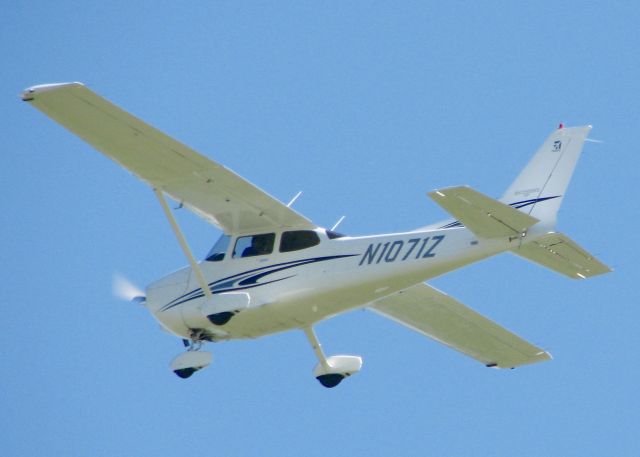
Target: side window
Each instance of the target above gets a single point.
(299, 239)
(250, 246)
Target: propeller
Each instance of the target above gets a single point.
(126, 290)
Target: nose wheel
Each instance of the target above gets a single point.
(187, 363)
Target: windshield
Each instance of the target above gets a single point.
(217, 252)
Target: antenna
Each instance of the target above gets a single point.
(293, 200)
(335, 226)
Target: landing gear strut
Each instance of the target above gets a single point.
(332, 370)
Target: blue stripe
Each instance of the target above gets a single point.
(532, 201)
(248, 280)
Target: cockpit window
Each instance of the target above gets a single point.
(249, 246)
(298, 239)
(217, 252)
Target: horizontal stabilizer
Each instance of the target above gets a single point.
(484, 216)
(441, 317)
(559, 253)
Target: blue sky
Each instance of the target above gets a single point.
(365, 106)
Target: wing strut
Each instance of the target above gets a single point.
(183, 244)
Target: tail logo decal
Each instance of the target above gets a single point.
(516, 205)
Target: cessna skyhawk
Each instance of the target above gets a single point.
(274, 270)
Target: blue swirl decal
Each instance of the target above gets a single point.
(249, 279)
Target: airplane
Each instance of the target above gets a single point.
(274, 270)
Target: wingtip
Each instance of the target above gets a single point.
(29, 93)
(442, 192)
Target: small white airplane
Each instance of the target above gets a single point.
(274, 270)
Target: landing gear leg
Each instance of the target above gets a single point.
(331, 371)
(326, 380)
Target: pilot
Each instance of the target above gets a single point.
(259, 246)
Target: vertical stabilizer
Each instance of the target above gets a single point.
(540, 187)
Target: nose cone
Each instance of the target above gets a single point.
(125, 290)
(140, 300)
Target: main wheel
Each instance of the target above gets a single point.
(330, 380)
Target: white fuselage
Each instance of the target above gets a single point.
(290, 290)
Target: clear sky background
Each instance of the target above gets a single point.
(365, 106)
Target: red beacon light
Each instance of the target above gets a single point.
(561, 126)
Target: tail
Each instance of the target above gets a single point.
(537, 192)
(540, 187)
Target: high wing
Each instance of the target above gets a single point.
(210, 190)
(443, 318)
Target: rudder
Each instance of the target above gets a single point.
(540, 187)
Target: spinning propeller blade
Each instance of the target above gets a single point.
(126, 290)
